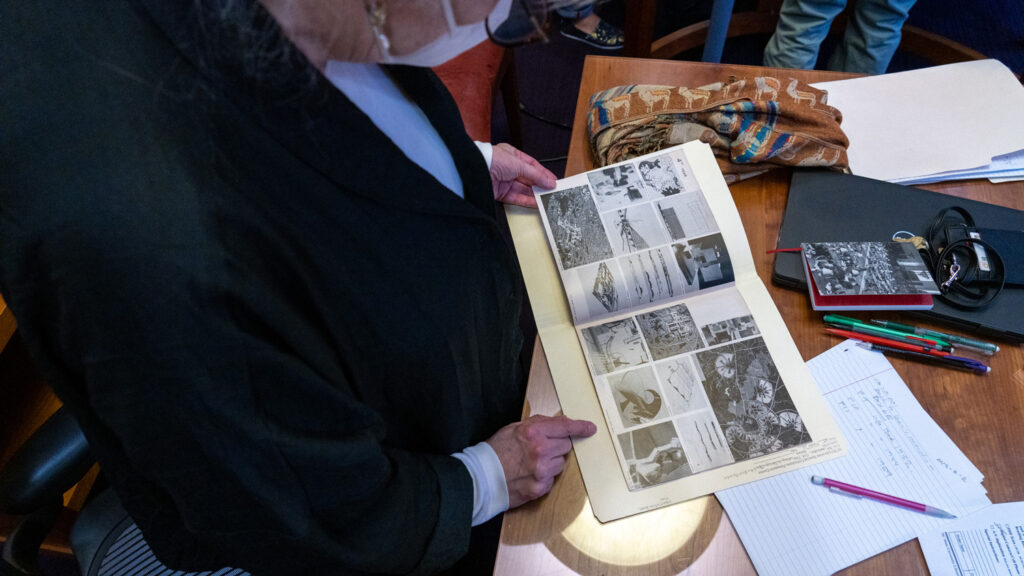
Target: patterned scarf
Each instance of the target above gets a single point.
(751, 124)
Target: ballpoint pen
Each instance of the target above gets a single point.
(853, 322)
(947, 360)
(850, 489)
(978, 345)
(869, 331)
(885, 341)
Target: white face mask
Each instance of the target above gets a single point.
(457, 40)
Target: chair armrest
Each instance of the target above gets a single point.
(50, 462)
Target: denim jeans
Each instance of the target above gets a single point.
(871, 38)
(576, 12)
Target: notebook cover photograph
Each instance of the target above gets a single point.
(867, 276)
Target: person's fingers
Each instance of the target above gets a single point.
(525, 490)
(519, 194)
(521, 186)
(513, 164)
(541, 176)
(539, 488)
(551, 467)
(555, 447)
(526, 201)
(532, 172)
(563, 427)
(532, 453)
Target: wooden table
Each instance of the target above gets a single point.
(7, 324)
(982, 414)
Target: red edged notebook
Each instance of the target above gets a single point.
(867, 276)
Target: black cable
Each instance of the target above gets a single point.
(966, 288)
(534, 115)
(555, 159)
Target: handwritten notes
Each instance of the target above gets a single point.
(790, 526)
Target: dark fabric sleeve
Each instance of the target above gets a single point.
(138, 202)
(229, 428)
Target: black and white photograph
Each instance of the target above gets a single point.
(862, 268)
(670, 331)
(652, 275)
(634, 228)
(614, 346)
(603, 287)
(653, 455)
(683, 390)
(686, 176)
(659, 175)
(616, 186)
(750, 400)
(686, 215)
(576, 227)
(637, 397)
(704, 262)
(703, 441)
(729, 330)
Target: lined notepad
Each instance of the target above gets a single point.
(790, 526)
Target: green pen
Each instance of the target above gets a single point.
(874, 332)
(853, 322)
(978, 345)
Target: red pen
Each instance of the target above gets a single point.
(885, 342)
(850, 489)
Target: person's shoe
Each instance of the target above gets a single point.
(605, 36)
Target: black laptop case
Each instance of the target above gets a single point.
(830, 206)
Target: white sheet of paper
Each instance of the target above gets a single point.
(1010, 162)
(994, 175)
(987, 543)
(1001, 179)
(922, 122)
(1003, 168)
(791, 526)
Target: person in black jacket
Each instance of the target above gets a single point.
(290, 337)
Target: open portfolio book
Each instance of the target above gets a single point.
(657, 327)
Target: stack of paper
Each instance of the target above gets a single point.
(951, 122)
(989, 543)
(791, 526)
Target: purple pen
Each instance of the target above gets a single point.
(974, 364)
(895, 501)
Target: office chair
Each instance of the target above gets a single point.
(104, 539)
(472, 78)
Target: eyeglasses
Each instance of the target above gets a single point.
(527, 22)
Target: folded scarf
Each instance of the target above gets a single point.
(751, 124)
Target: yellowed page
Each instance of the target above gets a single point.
(603, 458)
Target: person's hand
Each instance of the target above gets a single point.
(514, 173)
(532, 453)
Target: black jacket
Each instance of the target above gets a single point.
(272, 326)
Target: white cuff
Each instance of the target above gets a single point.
(490, 493)
(486, 150)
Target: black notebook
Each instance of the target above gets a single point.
(828, 206)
